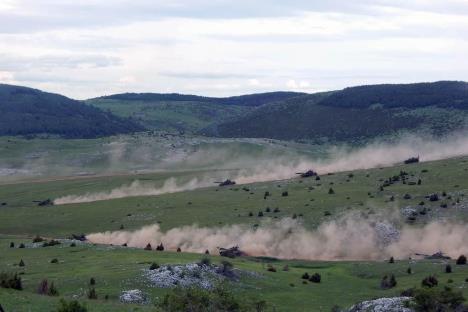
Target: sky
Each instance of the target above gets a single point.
(91, 48)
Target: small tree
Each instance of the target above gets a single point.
(21, 263)
(12, 245)
(52, 290)
(392, 260)
(43, 287)
(315, 278)
(92, 281)
(461, 260)
(305, 276)
(72, 306)
(148, 247)
(430, 281)
(92, 294)
(331, 191)
(448, 268)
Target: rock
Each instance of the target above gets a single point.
(387, 233)
(395, 304)
(133, 296)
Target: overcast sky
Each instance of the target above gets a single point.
(90, 48)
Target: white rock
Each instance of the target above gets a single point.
(395, 304)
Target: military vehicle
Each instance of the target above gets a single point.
(307, 174)
(437, 255)
(226, 183)
(412, 160)
(231, 252)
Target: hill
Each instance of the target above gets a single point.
(186, 113)
(28, 111)
(357, 113)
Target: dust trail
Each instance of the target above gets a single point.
(349, 238)
(264, 167)
(136, 188)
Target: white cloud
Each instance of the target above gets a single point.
(161, 45)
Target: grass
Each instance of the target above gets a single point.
(117, 268)
(216, 206)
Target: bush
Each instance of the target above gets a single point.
(53, 290)
(448, 268)
(92, 281)
(285, 194)
(388, 282)
(201, 300)
(331, 191)
(315, 278)
(11, 281)
(461, 260)
(51, 243)
(22, 246)
(160, 247)
(392, 260)
(55, 260)
(148, 247)
(430, 281)
(154, 266)
(271, 268)
(21, 263)
(305, 276)
(92, 294)
(12, 245)
(72, 306)
(205, 261)
(433, 300)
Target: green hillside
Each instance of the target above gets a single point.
(356, 114)
(26, 111)
(185, 113)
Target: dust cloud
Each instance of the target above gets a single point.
(261, 167)
(348, 238)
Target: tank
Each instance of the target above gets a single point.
(231, 252)
(226, 183)
(307, 174)
(412, 160)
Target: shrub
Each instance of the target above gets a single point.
(21, 263)
(392, 260)
(409, 271)
(205, 261)
(305, 276)
(250, 214)
(53, 290)
(22, 246)
(92, 294)
(331, 191)
(12, 281)
(199, 300)
(448, 268)
(72, 306)
(461, 260)
(55, 260)
(285, 194)
(260, 214)
(271, 268)
(51, 243)
(73, 244)
(154, 266)
(433, 197)
(148, 247)
(160, 247)
(92, 281)
(388, 282)
(315, 278)
(12, 245)
(43, 287)
(430, 281)
(286, 268)
(433, 300)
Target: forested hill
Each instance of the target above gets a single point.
(357, 113)
(25, 111)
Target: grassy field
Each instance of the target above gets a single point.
(307, 198)
(116, 269)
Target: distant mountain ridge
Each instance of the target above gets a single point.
(256, 99)
(26, 111)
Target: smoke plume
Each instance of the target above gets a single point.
(349, 238)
